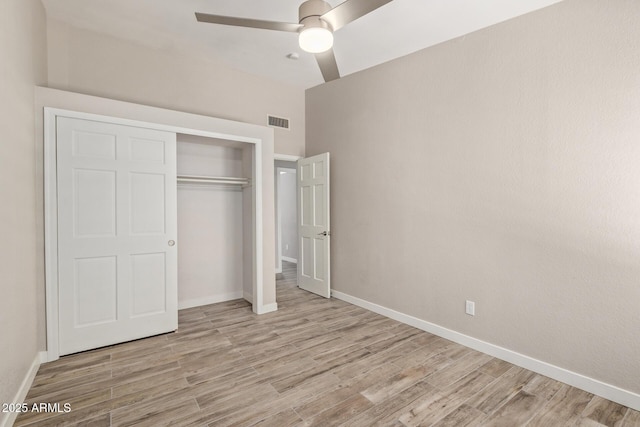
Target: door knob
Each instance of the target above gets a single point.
(171, 242)
(324, 233)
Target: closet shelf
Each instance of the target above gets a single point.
(213, 180)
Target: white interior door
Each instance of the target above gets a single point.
(314, 225)
(117, 224)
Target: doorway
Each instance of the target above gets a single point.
(286, 224)
(311, 238)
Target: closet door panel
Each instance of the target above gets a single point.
(148, 151)
(94, 202)
(116, 224)
(148, 284)
(98, 145)
(148, 199)
(95, 291)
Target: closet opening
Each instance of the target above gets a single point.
(214, 220)
(119, 180)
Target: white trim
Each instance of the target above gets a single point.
(211, 299)
(286, 258)
(21, 394)
(258, 301)
(268, 308)
(54, 112)
(608, 391)
(50, 207)
(51, 235)
(286, 157)
(276, 205)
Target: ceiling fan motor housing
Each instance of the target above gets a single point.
(310, 12)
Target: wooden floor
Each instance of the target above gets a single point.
(314, 362)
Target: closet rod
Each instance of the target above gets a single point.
(213, 180)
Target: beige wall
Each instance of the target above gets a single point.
(504, 168)
(95, 64)
(23, 64)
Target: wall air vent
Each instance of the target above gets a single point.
(278, 122)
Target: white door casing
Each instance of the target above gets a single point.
(314, 225)
(117, 226)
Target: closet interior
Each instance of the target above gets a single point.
(214, 220)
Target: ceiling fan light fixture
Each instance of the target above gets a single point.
(315, 39)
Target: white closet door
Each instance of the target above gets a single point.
(117, 256)
(314, 225)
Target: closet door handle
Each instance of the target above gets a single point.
(324, 233)
(171, 242)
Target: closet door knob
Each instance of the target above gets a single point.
(172, 242)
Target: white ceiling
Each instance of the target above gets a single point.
(394, 30)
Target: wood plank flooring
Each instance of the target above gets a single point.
(315, 362)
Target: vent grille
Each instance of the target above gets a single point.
(278, 122)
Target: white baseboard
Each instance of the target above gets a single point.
(21, 394)
(608, 391)
(293, 260)
(247, 297)
(211, 299)
(268, 308)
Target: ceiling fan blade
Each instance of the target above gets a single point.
(350, 10)
(328, 65)
(246, 22)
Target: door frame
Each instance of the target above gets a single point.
(286, 158)
(51, 207)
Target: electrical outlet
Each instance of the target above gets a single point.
(286, 247)
(470, 308)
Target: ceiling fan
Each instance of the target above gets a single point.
(316, 24)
